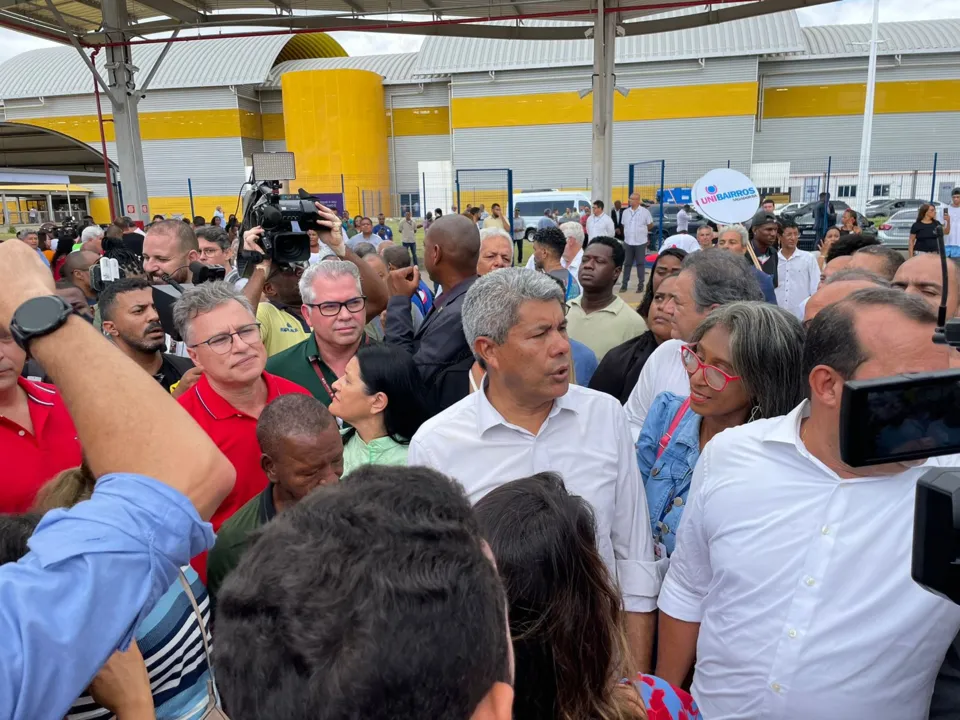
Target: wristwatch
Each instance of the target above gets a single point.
(37, 317)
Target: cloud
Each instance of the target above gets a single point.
(13, 43)
(366, 43)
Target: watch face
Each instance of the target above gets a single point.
(38, 314)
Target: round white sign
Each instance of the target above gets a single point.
(726, 196)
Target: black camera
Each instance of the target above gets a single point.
(284, 222)
(67, 232)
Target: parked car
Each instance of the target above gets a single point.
(788, 208)
(891, 207)
(895, 231)
(670, 211)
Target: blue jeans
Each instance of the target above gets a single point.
(412, 247)
(952, 251)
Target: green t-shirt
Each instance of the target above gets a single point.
(234, 537)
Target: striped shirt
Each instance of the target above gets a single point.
(169, 640)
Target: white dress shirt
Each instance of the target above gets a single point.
(799, 277)
(635, 224)
(662, 372)
(800, 581)
(585, 438)
(683, 221)
(573, 267)
(600, 226)
(683, 241)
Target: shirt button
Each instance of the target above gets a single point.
(792, 633)
(21, 433)
(655, 472)
(678, 501)
(810, 581)
(775, 687)
(825, 530)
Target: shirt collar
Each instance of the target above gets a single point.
(218, 407)
(613, 308)
(40, 403)
(489, 417)
(787, 428)
(268, 510)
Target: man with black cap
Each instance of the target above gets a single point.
(766, 231)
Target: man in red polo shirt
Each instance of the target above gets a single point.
(222, 336)
(37, 437)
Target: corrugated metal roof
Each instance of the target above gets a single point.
(765, 34)
(900, 38)
(211, 63)
(395, 69)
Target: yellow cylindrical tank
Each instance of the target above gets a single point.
(336, 124)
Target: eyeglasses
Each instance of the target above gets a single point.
(332, 308)
(285, 270)
(715, 378)
(221, 344)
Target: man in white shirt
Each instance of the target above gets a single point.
(599, 224)
(527, 418)
(790, 581)
(683, 219)
(707, 279)
(637, 223)
(687, 243)
(573, 253)
(798, 270)
(952, 213)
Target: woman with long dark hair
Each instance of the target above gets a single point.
(923, 233)
(381, 397)
(619, 370)
(565, 610)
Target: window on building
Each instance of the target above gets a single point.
(847, 191)
(881, 191)
(770, 190)
(411, 202)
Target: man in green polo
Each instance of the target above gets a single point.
(300, 450)
(334, 305)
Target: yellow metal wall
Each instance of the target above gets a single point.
(336, 124)
(848, 99)
(563, 108)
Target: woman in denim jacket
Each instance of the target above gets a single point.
(744, 362)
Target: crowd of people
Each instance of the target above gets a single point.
(487, 489)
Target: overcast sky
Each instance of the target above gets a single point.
(843, 12)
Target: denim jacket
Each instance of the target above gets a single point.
(667, 479)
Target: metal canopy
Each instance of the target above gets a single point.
(45, 151)
(83, 19)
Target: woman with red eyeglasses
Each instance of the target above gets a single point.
(744, 363)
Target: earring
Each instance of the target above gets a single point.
(754, 413)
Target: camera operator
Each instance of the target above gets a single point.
(131, 322)
(791, 580)
(281, 317)
(215, 249)
(168, 249)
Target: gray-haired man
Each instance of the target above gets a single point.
(526, 418)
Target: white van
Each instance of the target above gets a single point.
(532, 204)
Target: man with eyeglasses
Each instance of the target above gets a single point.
(215, 250)
(222, 336)
(336, 308)
(274, 288)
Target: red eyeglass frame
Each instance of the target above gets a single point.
(701, 366)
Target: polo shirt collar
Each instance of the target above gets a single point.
(613, 308)
(268, 510)
(40, 402)
(218, 407)
(489, 417)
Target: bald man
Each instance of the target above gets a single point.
(922, 276)
(451, 250)
(76, 271)
(838, 286)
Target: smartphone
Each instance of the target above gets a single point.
(905, 417)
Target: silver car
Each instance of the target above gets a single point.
(895, 231)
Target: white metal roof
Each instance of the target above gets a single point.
(899, 38)
(211, 63)
(764, 34)
(395, 69)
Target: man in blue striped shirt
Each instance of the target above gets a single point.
(94, 572)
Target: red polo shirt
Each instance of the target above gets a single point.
(30, 460)
(235, 433)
